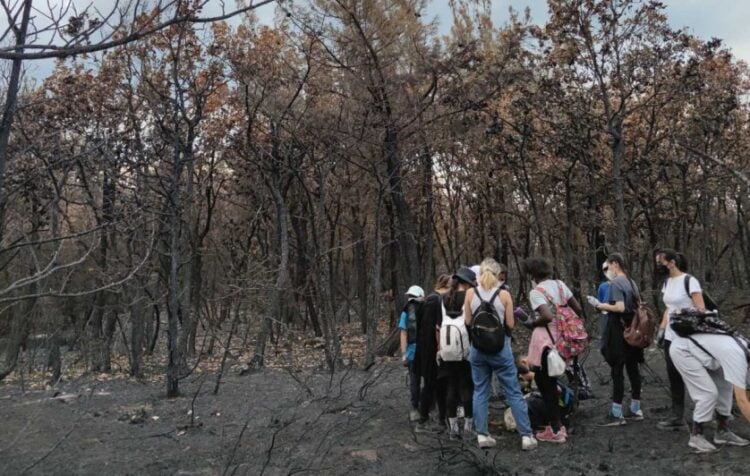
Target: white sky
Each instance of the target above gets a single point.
(725, 19)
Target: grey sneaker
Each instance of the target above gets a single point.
(453, 430)
(611, 420)
(414, 415)
(700, 444)
(726, 437)
(673, 423)
(469, 428)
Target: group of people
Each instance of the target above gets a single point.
(451, 368)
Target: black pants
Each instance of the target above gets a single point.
(548, 388)
(431, 393)
(459, 388)
(413, 385)
(676, 384)
(629, 364)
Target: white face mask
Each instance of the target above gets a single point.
(610, 275)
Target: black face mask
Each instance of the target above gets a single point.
(662, 271)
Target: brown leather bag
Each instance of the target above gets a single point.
(640, 332)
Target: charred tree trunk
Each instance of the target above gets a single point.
(282, 235)
(11, 104)
(374, 295)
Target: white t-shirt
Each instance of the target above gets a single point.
(726, 354)
(675, 298)
(537, 299)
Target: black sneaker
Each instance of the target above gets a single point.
(428, 427)
(673, 423)
(635, 416)
(611, 420)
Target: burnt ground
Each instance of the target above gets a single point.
(309, 422)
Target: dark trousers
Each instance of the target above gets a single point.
(414, 385)
(548, 388)
(459, 388)
(629, 364)
(676, 384)
(432, 392)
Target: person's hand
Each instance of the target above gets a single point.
(593, 302)
(660, 338)
(404, 360)
(438, 359)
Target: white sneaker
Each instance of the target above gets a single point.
(528, 443)
(726, 437)
(460, 411)
(414, 415)
(486, 441)
(701, 445)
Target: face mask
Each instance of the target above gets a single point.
(610, 275)
(662, 271)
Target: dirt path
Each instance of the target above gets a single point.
(279, 422)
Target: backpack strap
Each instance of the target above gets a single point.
(492, 298)
(702, 348)
(636, 294)
(550, 334)
(561, 293)
(686, 281)
(545, 294)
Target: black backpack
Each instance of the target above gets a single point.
(707, 300)
(691, 321)
(487, 332)
(411, 322)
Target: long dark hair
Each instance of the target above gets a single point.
(449, 299)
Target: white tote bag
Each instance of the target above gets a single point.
(555, 364)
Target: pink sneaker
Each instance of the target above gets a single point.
(550, 437)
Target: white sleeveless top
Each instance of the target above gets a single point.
(486, 295)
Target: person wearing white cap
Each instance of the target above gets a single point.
(408, 326)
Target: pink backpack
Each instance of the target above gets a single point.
(573, 336)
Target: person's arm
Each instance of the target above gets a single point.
(507, 301)
(467, 306)
(664, 319)
(402, 325)
(545, 316)
(618, 306)
(740, 394)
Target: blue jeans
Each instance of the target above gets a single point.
(504, 367)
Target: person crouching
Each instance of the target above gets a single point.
(713, 367)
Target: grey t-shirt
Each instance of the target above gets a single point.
(623, 289)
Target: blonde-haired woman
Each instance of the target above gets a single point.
(501, 363)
